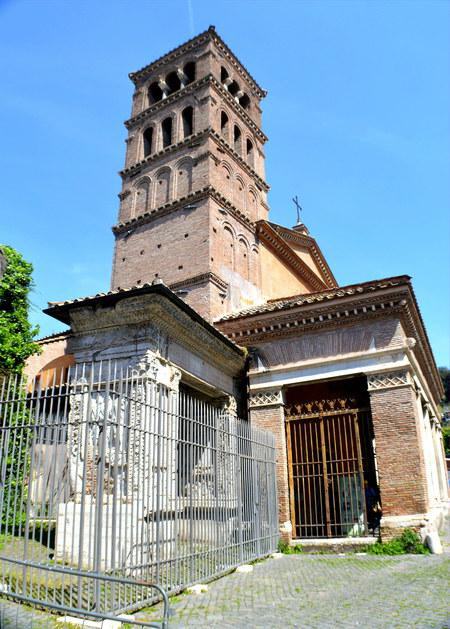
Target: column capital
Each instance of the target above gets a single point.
(268, 397)
(389, 380)
(229, 405)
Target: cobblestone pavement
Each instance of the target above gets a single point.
(307, 591)
(325, 591)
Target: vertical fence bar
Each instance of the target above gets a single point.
(132, 481)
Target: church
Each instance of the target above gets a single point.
(248, 314)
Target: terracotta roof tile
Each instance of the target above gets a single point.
(294, 301)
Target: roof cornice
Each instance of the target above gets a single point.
(305, 300)
(62, 311)
(274, 241)
(198, 195)
(193, 141)
(190, 141)
(308, 241)
(224, 146)
(342, 306)
(192, 44)
(200, 279)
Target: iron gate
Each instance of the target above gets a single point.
(113, 484)
(331, 461)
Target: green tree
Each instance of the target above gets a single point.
(446, 437)
(444, 372)
(16, 345)
(16, 332)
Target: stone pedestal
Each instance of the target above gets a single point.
(122, 442)
(127, 539)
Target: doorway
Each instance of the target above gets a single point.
(331, 463)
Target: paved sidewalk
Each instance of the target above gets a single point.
(325, 591)
(306, 591)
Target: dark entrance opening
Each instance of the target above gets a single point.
(331, 459)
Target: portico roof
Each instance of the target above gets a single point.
(62, 310)
(282, 318)
(295, 301)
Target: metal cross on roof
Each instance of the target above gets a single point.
(299, 208)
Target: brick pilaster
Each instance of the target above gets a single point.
(267, 411)
(399, 451)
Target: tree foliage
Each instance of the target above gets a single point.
(16, 345)
(16, 333)
(444, 372)
(446, 438)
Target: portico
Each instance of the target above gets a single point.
(349, 391)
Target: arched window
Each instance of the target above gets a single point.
(184, 178)
(173, 82)
(224, 124)
(244, 101)
(237, 139)
(250, 153)
(148, 141)
(254, 266)
(253, 204)
(187, 116)
(189, 70)
(243, 259)
(162, 192)
(142, 197)
(154, 93)
(225, 176)
(166, 127)
(223, 74)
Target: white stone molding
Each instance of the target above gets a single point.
(148, 366)
(389, 380)
(229, 405)
(174, 379)
(266, 398)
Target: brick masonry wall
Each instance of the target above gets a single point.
(201, 120)
(172, 248)
(400, 457)
(272, 418)
(185, 244)
(52, 355)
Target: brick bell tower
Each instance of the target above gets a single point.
(193, 183)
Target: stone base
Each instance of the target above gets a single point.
(333, 544)
(208, 531)
(128, 538)
(423, 523)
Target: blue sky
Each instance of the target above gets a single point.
(358, 118)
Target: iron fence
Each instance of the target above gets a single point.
(112, 484)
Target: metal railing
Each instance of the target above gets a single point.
(112, 483)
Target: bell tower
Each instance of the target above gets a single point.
(193, 185)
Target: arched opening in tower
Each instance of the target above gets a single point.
(166, 127)
(189, 70)
(173, 82)
(148, 141)
(237, 139)
(154, 93)
(187, 116)
(224, 124)
(250, 152)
